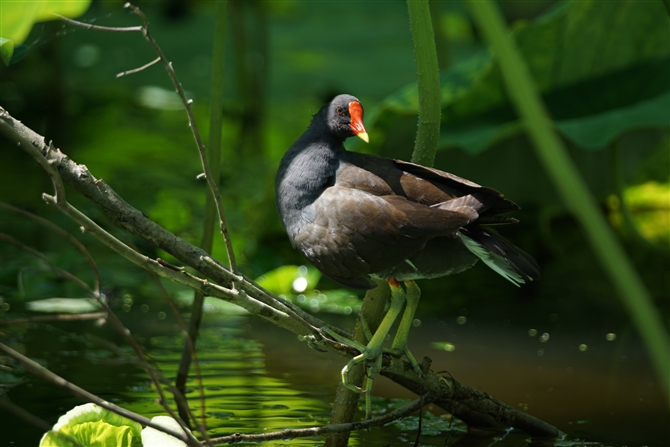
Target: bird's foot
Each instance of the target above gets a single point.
(398, 352)
(371, 354)
(372, 368)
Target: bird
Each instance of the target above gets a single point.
(358, 216)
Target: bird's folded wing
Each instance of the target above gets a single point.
(354, 233)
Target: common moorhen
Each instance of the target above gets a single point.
(356, 215)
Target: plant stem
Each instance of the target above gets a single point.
(525, 97)
(428, 76)
(214, 161)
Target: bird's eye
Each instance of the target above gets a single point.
(339, 111)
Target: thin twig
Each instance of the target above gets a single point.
(109, 29)
(190, 345)
(292, 433)
(59, 317)
(256, 291)
(156, 375)
(145, 30)
(196, 134)
(214, 160)
(64, 235)
(62, 204)
(471, 405)
(60, 272)
(137, 70)
(40, 371)
(208, 288)
(27, 146)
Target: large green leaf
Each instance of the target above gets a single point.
(93, 426)
(603, 68)
(18, 18)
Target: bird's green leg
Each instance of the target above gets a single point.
(372, 372)
(345, 340)
(399, 346)
(374, 348)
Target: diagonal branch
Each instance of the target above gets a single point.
(40, 371)
(398, 413)
(473, 407)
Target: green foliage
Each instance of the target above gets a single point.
(298, 283)
(18, 17)
(649, 204)
(287, 278)
(93, 426)
(601, 66)
(6, 50)
(567, 180)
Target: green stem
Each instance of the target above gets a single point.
(570, 185)
(214, 162)
(215, 121)
(428, 75)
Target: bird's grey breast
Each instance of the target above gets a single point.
(302, 177)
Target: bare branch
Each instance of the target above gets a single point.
(27, 146)
(472, 406)
(292, 433)
(145, 30)
(40, 371)
(59, 317)
(63, 234)
(137, 70)
(196, 134)
(109, 29)
(62, 273)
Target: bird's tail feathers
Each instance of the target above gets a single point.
(501, 255)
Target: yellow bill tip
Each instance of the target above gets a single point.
(363, 136)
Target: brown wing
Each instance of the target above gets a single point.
(352, 232)
(420, 184)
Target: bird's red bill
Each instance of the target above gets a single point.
(356, 113)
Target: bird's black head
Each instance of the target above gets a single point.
(344, 117)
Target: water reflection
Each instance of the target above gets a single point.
(240, 396)
(257, 378)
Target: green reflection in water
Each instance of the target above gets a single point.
(240, 397)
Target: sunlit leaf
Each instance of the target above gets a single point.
(6, 50)
(93, 426)
(18, 18)
(154, 438)
(649, 205)
(64, 305)
(287, 279)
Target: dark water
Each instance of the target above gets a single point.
(257, 378)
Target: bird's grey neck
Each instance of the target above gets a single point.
(306, 170)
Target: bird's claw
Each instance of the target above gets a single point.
(398, 352)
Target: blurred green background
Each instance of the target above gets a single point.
(603, 69)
